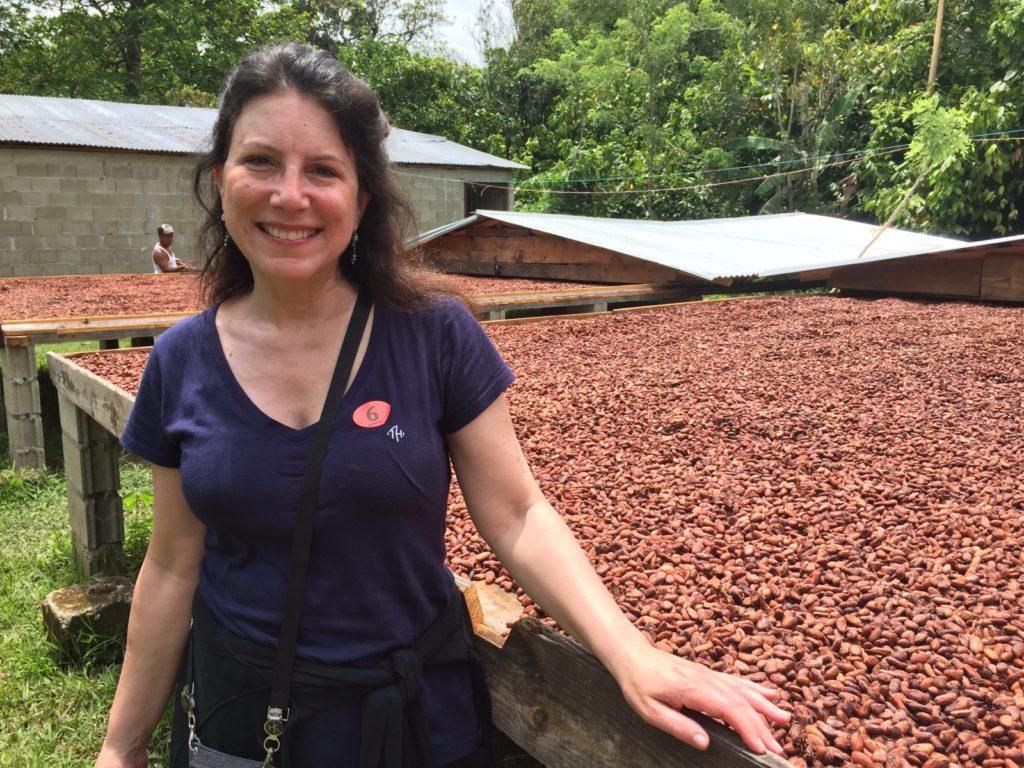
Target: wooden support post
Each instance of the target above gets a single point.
(109, 343)
(21, 401)
(142, 341)
(495, 315)
(94, 504)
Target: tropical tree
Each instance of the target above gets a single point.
(980, 193)
(139, 50)
(337, 24)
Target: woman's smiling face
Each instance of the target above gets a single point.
(289, 189)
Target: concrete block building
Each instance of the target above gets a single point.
(84, 184)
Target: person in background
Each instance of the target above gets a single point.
(164, 259)
(304, 217)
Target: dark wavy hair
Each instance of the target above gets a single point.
(394, 275)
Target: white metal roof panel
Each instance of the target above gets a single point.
(183, 130)
(751, 246)
(412, 148)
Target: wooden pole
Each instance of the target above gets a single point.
(936, 40)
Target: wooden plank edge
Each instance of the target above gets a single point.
(98, 398)
(558, 703)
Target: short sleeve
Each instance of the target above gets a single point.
(146, 434)
(475, 373)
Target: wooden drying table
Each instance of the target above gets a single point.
(18, 339)
(550, 695)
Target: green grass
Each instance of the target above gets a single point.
(63, 349)
(54, 714)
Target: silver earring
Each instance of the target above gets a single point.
(355, 240)
(227, 239)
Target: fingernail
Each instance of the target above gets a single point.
(700, 741)
(777, 747)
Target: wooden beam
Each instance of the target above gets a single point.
(558, 703)
(641, 272)
(571, 297)
(492, 610)
(1002, 276)
(56, 330)
(108, 405)
(953, 276)
(547, 257)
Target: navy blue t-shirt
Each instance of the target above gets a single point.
(377, 574)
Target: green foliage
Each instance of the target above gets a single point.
(635, 108)
(940, 140)
(139, 50)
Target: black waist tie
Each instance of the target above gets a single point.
(394, 729)
(393, 717)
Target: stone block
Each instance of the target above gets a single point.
(73, 185)
(89, 619)
(49, 184)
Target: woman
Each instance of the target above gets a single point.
(225, 414)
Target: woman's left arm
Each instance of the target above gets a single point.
(538, 549)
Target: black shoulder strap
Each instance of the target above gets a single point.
(281, 683)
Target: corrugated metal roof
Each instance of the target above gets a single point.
(182, 130)
(412, 148)
(751, 246)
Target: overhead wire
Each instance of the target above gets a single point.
(850, 157)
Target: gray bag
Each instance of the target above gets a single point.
(204, 757)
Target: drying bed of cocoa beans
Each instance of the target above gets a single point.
(29, 298)
(819, 493)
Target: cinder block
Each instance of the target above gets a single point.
(89, 619)
(128, 186)
(160, 187)
(34, 199)
(26, 169)
(88, 167)
(96, 520)
(105, 214)
(115, 170)
(79, 211)
(51, 212)
(49, 227)
(21, 396)
(63, 199)
(19, 213)
(99, 186)
(49, 184)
